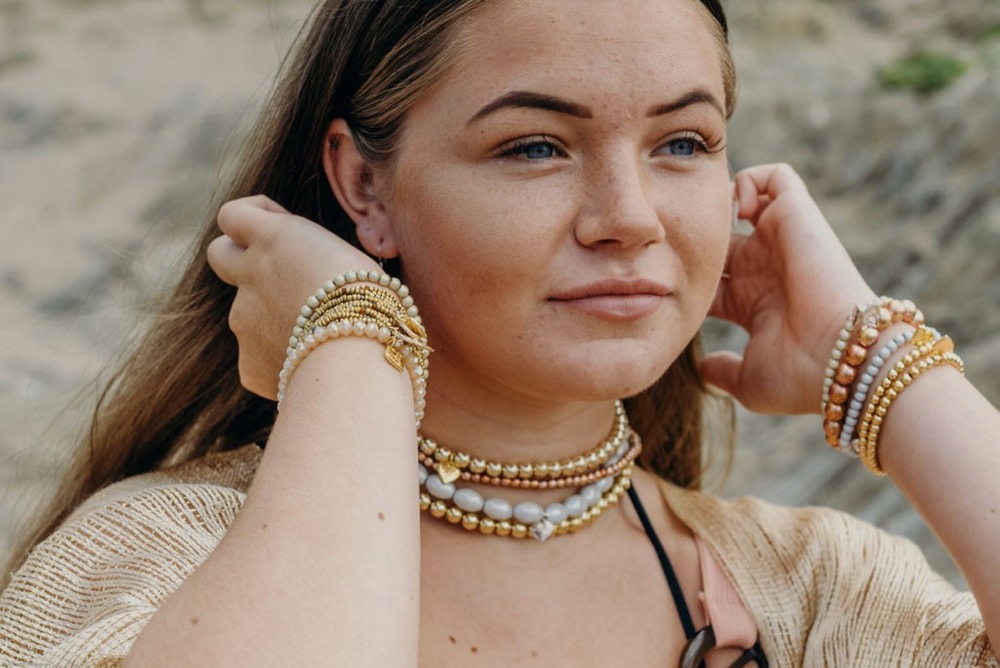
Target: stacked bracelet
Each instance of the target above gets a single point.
(836, 355)
(930, 350)
(367, 304)
(863, 329)
(854, 407)
(847, 444)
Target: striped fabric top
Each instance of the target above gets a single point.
(824, 589)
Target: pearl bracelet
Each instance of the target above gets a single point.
(367, 304)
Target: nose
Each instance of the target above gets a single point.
(620, 210)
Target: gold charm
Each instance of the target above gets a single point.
(393, 356)
(414, 328)
(923, 336)
(448, 472)
(944, 345)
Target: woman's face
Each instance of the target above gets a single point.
(561, 199)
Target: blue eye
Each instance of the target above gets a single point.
(538, 151)
(532, 149)
(683, 147)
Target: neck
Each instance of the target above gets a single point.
(516, 431)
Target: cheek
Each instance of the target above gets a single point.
(454, 225)
(700, 235)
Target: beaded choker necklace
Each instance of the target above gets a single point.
(602, 475)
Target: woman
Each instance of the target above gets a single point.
(550, 180)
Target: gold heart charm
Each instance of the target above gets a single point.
(448, 472)
(394, 357)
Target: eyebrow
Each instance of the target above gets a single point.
(527, 100)
(520, 99)
(696, 96)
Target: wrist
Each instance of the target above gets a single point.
(365, 305)
(857, 344)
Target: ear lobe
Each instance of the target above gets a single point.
(352, 180)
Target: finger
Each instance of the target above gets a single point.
(224, 256)
(772, 180)
(722, 369)
(752, 207)
(758, 187)
(241, 219)
(763, 201)
(750, 204)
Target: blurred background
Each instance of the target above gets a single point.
(117, 116)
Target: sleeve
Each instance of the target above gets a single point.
(827, 589)
(870, 598)
(880, 603)
(85, 593)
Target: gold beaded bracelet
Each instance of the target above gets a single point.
(865, 325)
(930, 353)
(924, 342)
(922, 349)
(367, 304)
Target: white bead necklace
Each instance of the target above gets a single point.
(542, 522)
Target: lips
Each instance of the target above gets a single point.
(619, 299)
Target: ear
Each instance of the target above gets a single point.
(352, 180)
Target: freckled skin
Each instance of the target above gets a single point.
(486, 240)
(492, 218)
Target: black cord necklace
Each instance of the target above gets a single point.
(699, 643)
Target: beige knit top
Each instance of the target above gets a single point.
(825, 589)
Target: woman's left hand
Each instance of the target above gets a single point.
(791, 286)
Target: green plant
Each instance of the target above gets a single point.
(990, 32)
(924, 72)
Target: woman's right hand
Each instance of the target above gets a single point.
(317, 554)
(276, 260)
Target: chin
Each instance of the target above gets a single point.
(605, 375)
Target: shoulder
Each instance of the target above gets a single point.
(825, 587)
(730, 526)
(228, 472)
(84, 593)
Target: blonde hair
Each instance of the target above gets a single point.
(177, 395)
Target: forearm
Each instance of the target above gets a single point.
(941, 445)
(322, 563)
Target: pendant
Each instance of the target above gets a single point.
(542, 529)
(394, 357)
(448, 472)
